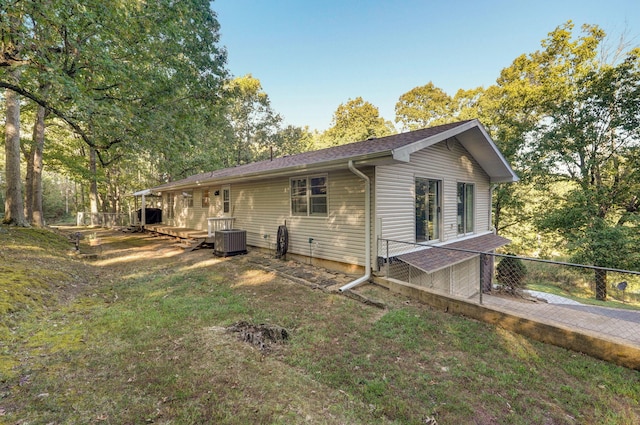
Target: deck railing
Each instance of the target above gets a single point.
(219, 223)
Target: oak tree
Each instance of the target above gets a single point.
(355, 121)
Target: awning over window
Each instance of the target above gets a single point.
(434, 258)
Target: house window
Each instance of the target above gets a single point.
(428, 209)
(187, 199)
(465, 208)
(206, 199)
(226, 199)
(170, 205)
(309, 196)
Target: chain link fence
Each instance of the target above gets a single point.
(581, 298)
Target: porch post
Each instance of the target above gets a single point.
(143, 212)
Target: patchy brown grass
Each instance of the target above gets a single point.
(140, 335)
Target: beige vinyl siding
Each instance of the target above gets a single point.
(462, 279)
(167, 217)
(259, 207)
(395, 191)
(191, 217)
(197, 214)
(188, 216)
(465, 278)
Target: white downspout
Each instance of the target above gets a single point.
(367, 229)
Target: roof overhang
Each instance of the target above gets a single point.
(474, 138)
(437, 257)
(379, 158)
(144, 192)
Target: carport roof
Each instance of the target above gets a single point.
(434, 258)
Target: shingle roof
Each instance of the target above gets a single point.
(435, 258)
(365, 148)
(350, 150)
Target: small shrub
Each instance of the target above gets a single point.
(511, 273)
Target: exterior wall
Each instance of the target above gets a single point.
(465, 278)
(259, 207)
(461, 279)
(395, 191)
(194, 217)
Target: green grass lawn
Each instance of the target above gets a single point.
(139, 336)
(576, 284)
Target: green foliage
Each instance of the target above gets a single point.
(57, 197)
(138, 82)
(424, 106)
(428, 106)
(292, 140)
(511, 272)
(355, 121)
(253, 123)
(563, 117)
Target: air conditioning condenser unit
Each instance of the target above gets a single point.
(230, 242)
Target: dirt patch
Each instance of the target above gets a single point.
(262, 336)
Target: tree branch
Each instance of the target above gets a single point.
(74, 125)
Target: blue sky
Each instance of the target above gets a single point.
(313, 55)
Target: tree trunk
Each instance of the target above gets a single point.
(13, 204)
(93, 188)
(37, 215)
(601, 284)
(28, 183)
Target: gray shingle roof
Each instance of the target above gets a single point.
(436, 258)
(353, 151)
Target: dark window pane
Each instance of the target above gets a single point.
(319, 206)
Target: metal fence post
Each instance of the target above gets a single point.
(482, 260)
(387, 266)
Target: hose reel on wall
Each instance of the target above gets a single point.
(282, 241)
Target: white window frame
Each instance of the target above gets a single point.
(226, 200)
(187, 199)
(206, 204)
(171, 205)
(439, 219)
(305, 196)
(465, 225)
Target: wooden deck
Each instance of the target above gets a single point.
(178, 232)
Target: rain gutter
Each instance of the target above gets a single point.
(367, 229)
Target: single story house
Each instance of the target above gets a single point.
(427, 187)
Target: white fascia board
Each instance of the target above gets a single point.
(510, 176)
(144, 192)
(364, 160)
(404, 153)
(496, 166)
